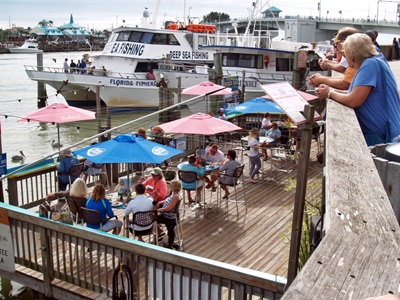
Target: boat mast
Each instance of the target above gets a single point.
(155, 13)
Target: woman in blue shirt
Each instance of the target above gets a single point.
(372, 93)
(99, 202)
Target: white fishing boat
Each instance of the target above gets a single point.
(130, 56)
(29, 46)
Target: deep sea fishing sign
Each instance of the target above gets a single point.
(6, 247)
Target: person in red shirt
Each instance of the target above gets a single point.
(156, 186)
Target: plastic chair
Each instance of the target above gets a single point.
(75, 171)
(143, 219)
(238, 179)
(75, 204)
(92, 217)
(190, 177)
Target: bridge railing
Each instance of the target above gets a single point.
(71, 260)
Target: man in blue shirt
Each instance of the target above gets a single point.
(64, 168)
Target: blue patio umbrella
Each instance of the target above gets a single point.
(127, 148)
(255, 106)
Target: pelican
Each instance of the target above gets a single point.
(56, 145)
(18, 157)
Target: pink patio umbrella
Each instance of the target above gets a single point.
(207, 88)
(204, 88)
(58, 113)
(199, 124)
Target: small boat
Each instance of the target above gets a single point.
(30, 46)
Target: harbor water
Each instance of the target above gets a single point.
(18, 96)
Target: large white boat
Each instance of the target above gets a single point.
(122, 73)
(29, 46)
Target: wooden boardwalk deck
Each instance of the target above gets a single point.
(257, 239)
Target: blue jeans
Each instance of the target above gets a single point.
(255, 165)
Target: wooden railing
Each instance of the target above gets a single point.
(359, 255)
(74, 262)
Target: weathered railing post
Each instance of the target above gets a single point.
(47, 267)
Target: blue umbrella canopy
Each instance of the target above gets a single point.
(256, 106)
(127, 148)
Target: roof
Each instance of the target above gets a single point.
(71, 24)
(272, 9)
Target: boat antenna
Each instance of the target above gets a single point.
(155, 13)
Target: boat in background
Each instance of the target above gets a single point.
(123, 72)
(29, 46)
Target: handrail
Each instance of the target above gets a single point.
(67, 249)
(358, 256)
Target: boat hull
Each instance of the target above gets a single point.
(80, 89)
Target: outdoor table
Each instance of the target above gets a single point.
(207, 170)
(262, 139)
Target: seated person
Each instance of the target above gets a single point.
(274, 133)
(98, 201)
(122, 189)
(214, 155)
(158, 134)
(142, 132)
(78, 193)
(90, 169)
(139, 203)
(66, 163)
(156, 186)
(168, 210)
(228, 169)
(199, 170)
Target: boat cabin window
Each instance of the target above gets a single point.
(123, 36)
(242, 60)
(164, 39)
(113, 37)
(135, 36)
(145, 67)
(147, 37)
(284, 64)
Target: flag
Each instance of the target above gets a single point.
(319, 6)
(398, 8)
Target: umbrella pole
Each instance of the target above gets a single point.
(58, 136)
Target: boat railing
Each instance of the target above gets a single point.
(84, 72)
(51, 255)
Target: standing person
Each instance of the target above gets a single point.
(156, 186)
(396, 48)
(372, 93)
(97, 201)
(72, 66)
(65, 165)
(66, 66)
(254, 157)
(139, 203)
(83, 66)
(228, 168)
(169, 209)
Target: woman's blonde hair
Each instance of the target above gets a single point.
(99, 192)
(254, 132)
(78, 188)
(358, 47)
(176, 186)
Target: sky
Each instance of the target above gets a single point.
(105, 14)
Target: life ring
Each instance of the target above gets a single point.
(266, 61)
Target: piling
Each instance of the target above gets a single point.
(41, 86)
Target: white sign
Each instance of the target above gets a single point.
(289, 100)
(6, 248)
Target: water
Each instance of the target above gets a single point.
(18, 96)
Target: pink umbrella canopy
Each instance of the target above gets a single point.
(204, 88)
(58, 113)
(199, 124)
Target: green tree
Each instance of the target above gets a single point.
(214, 16)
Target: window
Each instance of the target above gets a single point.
(123, 36)
(135, 36)
(146, 37)
(284, 64)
